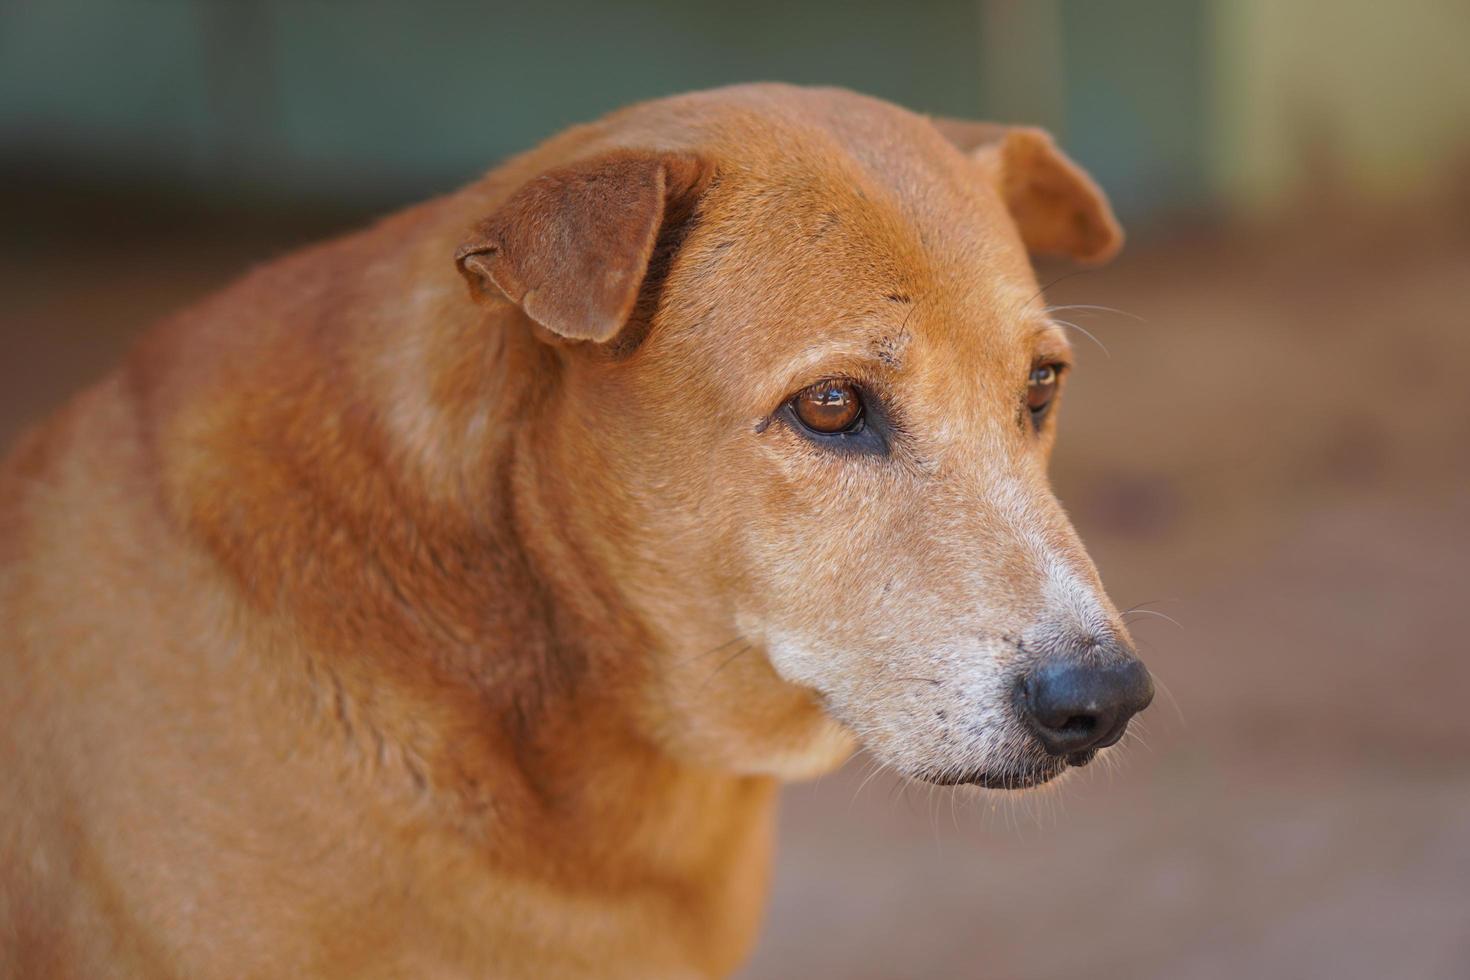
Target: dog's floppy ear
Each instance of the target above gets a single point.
(1056, 206)
(571, 248)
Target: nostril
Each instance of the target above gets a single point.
(1074, 731)
(1079, 725)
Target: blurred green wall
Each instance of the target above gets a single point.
(337, 97)
(373, 100)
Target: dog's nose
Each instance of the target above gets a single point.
(1075, 707)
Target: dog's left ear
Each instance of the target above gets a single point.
(1057, 207)
(572, 247)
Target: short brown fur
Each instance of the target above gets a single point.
(341, 636)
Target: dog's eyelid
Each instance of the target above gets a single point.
(1047, 350)
(865, 351)
(866, 391)
(870, 371)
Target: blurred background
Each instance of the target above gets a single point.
(1267, 449)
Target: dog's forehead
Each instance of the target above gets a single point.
(822, 253)
(837, 224)
(785, 151)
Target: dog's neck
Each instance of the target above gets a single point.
(384, 498)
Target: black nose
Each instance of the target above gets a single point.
(1078, 706)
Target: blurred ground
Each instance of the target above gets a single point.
(1275, 454)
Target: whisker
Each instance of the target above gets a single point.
(1157, 615)
(1178, 711)
(1084, 332)
(1094, 307)
(1059, 279)
(725, 663)
(710, 653)
(1151, 602)
(874, 768)
(1137, 732)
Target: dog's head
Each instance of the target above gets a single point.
(805, 396)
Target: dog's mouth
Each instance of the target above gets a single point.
(1027, 778)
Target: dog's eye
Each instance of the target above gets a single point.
(829, 407)
(1041, 388)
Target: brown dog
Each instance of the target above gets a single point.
(363, 625)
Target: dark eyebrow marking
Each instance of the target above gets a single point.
(898, 297)
(889, 348)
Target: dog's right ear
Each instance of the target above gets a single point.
(1058, 209)
(572, 247)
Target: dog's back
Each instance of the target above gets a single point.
(92, 580)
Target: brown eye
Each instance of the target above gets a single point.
(1041, 387)
(829, 407)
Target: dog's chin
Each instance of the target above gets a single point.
(1028, 777)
